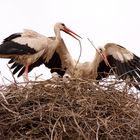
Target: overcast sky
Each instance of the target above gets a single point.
(102, 21)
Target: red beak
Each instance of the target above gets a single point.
(103, 55)
(70, 32)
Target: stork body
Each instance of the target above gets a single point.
(30, 47)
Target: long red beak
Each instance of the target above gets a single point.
(103, 55)
(70, 32)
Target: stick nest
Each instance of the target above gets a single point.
(72, 110)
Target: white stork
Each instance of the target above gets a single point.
(121, 62)
(60, 61)
(28, 47)
(109, 60)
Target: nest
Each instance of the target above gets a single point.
(72, 110)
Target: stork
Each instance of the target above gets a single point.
(60, 61)
(109, 60)
(29, 47)
(121, 62)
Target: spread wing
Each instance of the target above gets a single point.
(123, 64)
(56, 63)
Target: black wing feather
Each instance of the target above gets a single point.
(8, 46)
(54, 64)
(11, 47)
(17, 68)
(14, 65)
(13, 36)
(12, 60)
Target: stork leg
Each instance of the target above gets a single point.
(26, 71)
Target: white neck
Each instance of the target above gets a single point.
(95, 63)
(57, 34)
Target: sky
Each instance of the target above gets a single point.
(102, 21)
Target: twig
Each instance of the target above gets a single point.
(4, 98)
(78, 126)
(8, 80)
(37, 76)
(64, 129)
(9, 110)
(12, 74)
(78, 57)
(54, 127)
(93, 45)
(2, 78)
(97, 133)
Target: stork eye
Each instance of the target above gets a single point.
(63, 24)
(100, 49)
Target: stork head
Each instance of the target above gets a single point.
(103, 55)
(61, 27)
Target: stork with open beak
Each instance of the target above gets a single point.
(28, 47)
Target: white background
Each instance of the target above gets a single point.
(102, 21)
